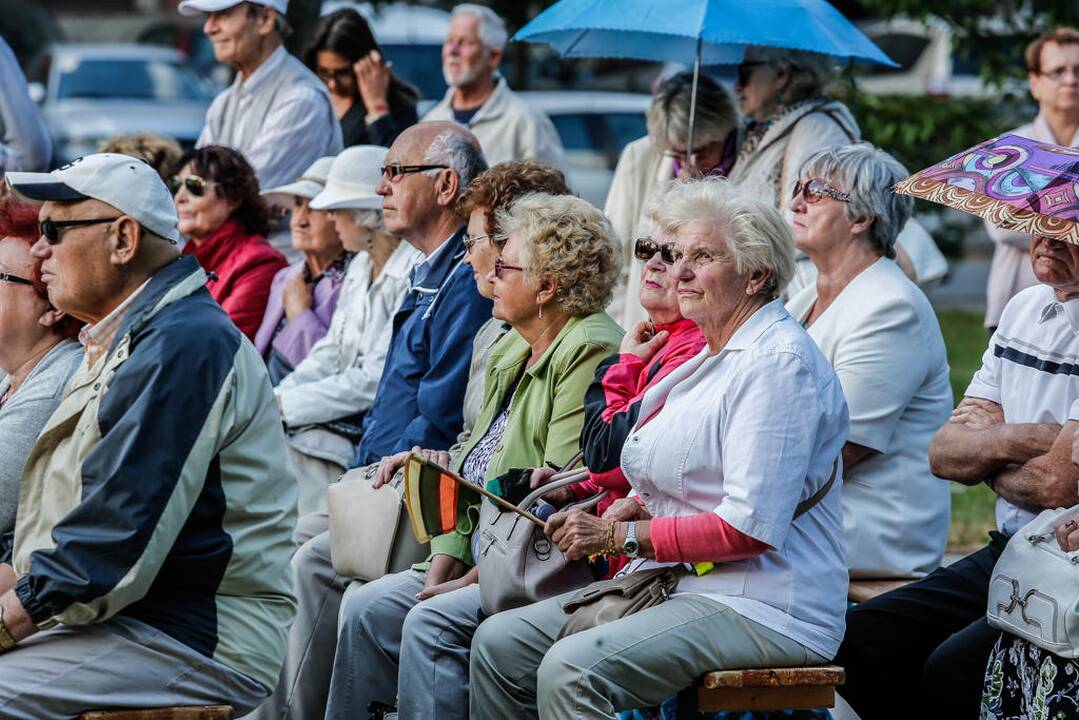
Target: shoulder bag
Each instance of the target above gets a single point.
(1034, 590)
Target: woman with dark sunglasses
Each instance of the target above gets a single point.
(225, 222)
(38, 353)
(882, 337)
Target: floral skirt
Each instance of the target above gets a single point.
(1025, 682)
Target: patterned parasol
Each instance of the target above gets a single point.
(1013, 182)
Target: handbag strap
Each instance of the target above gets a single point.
(811, 501)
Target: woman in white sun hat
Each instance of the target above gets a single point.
(323, 400)
(303, 295)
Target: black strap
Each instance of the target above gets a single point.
(808, 504)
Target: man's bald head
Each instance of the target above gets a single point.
(444, 143)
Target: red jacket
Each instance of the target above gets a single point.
(244, 266)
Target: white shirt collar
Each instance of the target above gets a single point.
(1069, 309)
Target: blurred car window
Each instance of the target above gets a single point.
(419, 64)
(622, 129)
(904, 48)
(573, 129)
(129, 79)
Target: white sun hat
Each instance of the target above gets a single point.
(353, 178)
(128, 184)
(195, 7)
(307, 185)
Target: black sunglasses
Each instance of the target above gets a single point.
(645, 248)
(393, 171)
(194, 184)
(8, 277)
(744, 72)
(50, 229)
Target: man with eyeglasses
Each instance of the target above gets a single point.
(276, 112)
(478, 97)
(153, 533)
(1053, 73)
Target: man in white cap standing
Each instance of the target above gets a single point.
(151, 559)
(276, 112)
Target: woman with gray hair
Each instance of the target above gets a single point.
(323, 399)
(648, 165)
(882, 337)
(733, 461)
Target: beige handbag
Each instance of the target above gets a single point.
(370, 535)
(1034, 591)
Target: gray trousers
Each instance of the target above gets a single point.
(518, 670)
(388, 640)
(120, 663)
(313, 475)
(305, 676)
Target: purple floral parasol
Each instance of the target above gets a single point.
(1013, 182)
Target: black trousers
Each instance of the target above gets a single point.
(921, 650)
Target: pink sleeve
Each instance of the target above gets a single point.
(704, 537)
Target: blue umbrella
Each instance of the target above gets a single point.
(709, 31)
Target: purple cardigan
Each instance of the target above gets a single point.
(296, 336)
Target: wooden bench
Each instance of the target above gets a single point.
(862, 590)
(802, 688)
(203, 712)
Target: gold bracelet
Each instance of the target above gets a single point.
(609, 548)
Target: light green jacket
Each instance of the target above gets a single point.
(546, 412)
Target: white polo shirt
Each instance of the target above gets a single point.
(883, 340)
(748, 434)
(1031, 369)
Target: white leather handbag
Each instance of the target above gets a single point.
(1034, 591)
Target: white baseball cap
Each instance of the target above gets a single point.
(307, 185)
(128, 184)
(194, 7)
(354, 175)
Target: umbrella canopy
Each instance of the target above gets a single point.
(1011, 181)
(669, 30)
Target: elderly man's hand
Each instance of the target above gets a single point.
(373, 78)
(643, 341)
(1067, 532)
(577, 533)
(297, 296)
(978, 414)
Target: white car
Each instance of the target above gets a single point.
(89, 93)
(594, 128)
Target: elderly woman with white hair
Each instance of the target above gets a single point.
(323, 399)
(647, 165)
(882, 337)
(733, 462)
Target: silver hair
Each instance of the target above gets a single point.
(866, 173)
(668, 115)
(811, 73)
(756, 234)
(492, 28)
(368, 218)
(457, 150)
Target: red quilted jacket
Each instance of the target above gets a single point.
(244, 266)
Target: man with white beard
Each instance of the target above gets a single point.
(479, 98)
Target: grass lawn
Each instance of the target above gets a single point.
(972, 507)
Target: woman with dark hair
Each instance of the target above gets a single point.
(372, 103)
(225, 221)
(37, 355)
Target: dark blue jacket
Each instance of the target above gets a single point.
(421, 395)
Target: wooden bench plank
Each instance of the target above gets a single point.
(822, 675)
(862, 590)
(805, 697)
(206, 712)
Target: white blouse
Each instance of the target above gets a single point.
(748, 434)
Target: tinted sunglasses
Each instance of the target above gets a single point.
(194, 184)
(395, 171)
(51, 229)
(815, 190)
(14, 279)
(501, 266)
(744, 72)
(645, 248)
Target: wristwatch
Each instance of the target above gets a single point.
(631, 548)
(6, 641)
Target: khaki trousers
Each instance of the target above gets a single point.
(519, 671)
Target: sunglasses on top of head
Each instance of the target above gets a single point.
(194, 184)
(645, 248)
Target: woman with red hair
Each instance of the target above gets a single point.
(38, 353)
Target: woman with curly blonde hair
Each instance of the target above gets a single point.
(551, 282)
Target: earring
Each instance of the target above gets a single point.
(541, 311)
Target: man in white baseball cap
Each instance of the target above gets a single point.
(153, 541)
(276, 112)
